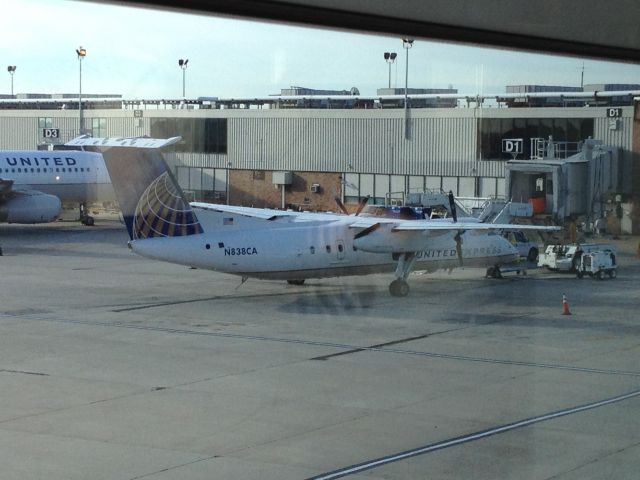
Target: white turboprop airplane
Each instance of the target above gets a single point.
(35, 183)
(278, 244)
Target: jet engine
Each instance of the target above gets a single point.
(379, 238)
(29, 207)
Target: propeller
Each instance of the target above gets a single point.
(341, 205)
(361, 204)
(458, 237)
(366, 231)
(452, 206)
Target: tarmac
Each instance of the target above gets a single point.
(113, 366)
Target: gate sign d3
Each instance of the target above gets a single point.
(512, 145)
(51, 132)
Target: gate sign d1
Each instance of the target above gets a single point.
(614, 112)
(512, 145)
(51, 133)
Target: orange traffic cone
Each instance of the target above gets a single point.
(565, 305)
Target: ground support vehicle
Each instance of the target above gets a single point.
(566, 257)
(597, 265)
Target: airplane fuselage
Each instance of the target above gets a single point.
(294, 250)
(72, 176)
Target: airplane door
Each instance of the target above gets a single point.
(340, 249)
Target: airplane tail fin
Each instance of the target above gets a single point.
(152, 202)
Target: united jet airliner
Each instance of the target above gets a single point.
(35, 183)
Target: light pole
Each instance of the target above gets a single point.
(407, 43)
(82, 52)
(390, 57)
(11, 69)
(183, 65)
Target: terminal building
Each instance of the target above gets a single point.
(302, 149)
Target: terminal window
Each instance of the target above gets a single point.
(45, 122)
(491, 131)
(199, 135)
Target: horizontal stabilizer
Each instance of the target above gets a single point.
(135, 142)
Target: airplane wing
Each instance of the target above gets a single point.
(425, 225)
(5, 187)
(442, 225)
(385, 235)
(7, 190)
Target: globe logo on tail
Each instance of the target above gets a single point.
(162, 211)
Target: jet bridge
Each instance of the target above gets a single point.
(566, 187)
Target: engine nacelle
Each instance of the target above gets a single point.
(30, 207)
(384, 240)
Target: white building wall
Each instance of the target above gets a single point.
(442, 142)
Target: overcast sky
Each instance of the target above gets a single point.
(135, 52)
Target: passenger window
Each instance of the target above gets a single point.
(312, 250)
(328, 248)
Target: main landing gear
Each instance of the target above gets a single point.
(493, 272)
(85, 218)
(399, 287)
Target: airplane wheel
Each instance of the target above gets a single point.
(296, 282)
(89, 221)
(399, 288)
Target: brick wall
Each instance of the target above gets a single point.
(255, 188)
